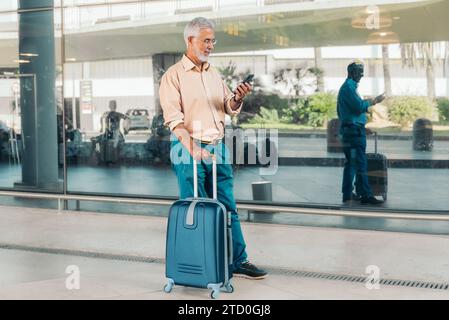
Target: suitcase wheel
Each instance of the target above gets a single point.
(169, 286)
(229, 288)
(214, 294)
(215, 289)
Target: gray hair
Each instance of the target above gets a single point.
(193, 28)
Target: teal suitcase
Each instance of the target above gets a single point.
(199, 243)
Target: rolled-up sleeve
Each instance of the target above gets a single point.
(170, 97)
(227, 101)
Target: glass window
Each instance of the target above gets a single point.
(286, 142)
(299, 58)
(31, 116)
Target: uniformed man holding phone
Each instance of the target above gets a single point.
(352, 109)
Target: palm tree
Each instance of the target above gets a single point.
(446, 65)
(319, 67)
(228, 74)
(292, 80)
(386, 67)
(425, 53)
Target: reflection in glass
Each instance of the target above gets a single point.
(118, 51)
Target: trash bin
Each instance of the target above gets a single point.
(422, 135)
(262, 191)
(333, 140)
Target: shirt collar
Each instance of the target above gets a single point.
(352, 82)
(189, 65)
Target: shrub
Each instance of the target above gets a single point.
(313, 112)
(254, 102)
(266, 116)
(323, 106)
(405, 110)
(294, 112)
(443, 108)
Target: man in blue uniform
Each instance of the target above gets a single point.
(352, 109)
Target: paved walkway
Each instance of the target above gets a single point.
(315, 146)
(121, 257)
(394, 149)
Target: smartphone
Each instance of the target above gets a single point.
(248, 78)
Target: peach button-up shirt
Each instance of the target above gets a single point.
(199, 98)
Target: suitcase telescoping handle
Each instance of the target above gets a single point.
(214, 177)
(214, 184)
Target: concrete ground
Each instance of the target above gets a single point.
(122, 257)
(393, 149)
(316, 146)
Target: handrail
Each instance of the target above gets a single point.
(243, 206)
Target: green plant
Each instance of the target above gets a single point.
(253, 102)
(443, 108)
(266, 116)
(294, 112)
(315, 111)
(405, 110)
(324, 107)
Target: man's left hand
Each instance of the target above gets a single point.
(379, 98)
(242, 90)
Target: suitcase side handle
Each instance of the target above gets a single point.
(214, 177)
(230, 248)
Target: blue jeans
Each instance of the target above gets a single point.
(225, 194)
(356, 165)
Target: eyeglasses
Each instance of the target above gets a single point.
(209, 41)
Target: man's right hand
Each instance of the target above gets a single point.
(194, 149)
(199, 154)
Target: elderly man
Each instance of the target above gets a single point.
(352, 109)
(194, 101)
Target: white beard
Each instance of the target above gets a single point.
(201, 57)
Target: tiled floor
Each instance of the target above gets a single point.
(27, 274)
